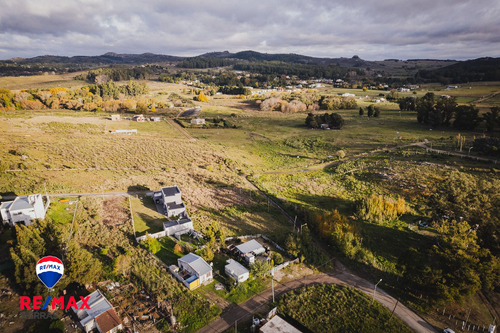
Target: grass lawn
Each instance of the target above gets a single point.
(241, 292)
(146, 218)
(166, 253)
(61, 212)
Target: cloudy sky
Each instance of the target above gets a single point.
(374, 30)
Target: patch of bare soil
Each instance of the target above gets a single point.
(66, 119)
(115, 211)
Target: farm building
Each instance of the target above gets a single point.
(250, 249)
(236, 270)
(278, 325)
(198, 121)
(101, 316)
(192, 271)
(116, 117)
(23, 209)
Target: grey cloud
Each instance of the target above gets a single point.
(373, 30)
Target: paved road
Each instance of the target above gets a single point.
(245, 310)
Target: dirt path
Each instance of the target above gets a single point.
(180, 129)
(484, 98)
(245, 310)
(328, 164)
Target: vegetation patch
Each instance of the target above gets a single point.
(334, 308)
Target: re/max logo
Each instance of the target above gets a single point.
(36, 304)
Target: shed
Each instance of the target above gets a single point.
(236, 270)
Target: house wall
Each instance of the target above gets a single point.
(25, 216)
(175, 211)
(179, 228)
(206, 278)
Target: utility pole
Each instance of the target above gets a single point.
(295, 223)
(374, 290)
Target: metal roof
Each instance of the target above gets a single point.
(235, 268)
(21, 203)
(250, 246)
(197, 263)
(278, 325)
(170, 191)
(98, 304)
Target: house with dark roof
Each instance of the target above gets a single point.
(100, 316)
(171, 200)
(179, 227)
(24, 209)
(192, 271)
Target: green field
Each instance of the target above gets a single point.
(333, 308)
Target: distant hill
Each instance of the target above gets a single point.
(109, 58)
(481, 69)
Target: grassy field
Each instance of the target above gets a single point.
(146, 217)
(333, 308)
(61, 212)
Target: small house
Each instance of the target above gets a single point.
(179, 227)
(171, 200)
(277, 324)
(101, 315)
(23, 209)
(139, 118)
(198, 121)
(155, 119)
(116, 117)
(192, 271)
(236, 270)
(249, 250)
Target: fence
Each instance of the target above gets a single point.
(156, 235)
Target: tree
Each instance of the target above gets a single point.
(370, 111)
(82, 266)
(361, 112)
(152, 244)
(260, 268)
(376, 112)
(492, 119)
(446, 106)
(466, 117)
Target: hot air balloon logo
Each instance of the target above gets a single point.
(49, 270)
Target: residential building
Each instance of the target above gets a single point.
(249, 250)
(139, 118)
(24, 209)
(192, 271)
(170, 198)
(101, 315)
(178, 227)
(278, 325)
(116, 117)
(198, 121)
(236, 270)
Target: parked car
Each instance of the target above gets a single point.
(448, 330)
(423, 224)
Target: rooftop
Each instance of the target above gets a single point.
(177, 222)
(197, 263)
(235, 267)
(108, 320)
(170, 191)
(278, 325)
(21, 203)
(97, 303)
(249, 246)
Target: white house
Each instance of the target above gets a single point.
(101, 315)
(250, 249)
(277, 324)
(194, 267)
(23, 209)
(171, 199)
(178, 227)
(198, 121)
(236, 270)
